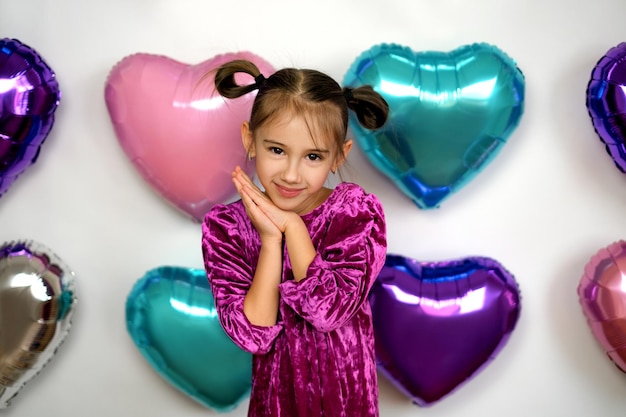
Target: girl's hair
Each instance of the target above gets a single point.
(306, 92)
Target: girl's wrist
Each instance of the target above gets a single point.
(294, 221)
(272, 241)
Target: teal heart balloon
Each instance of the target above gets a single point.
(450, 114)
(171, 317)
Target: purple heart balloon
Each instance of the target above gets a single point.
(437, 324)
(29, 95)
(606, 102)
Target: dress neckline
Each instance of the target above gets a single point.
(329, 200)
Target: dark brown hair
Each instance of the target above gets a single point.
(307, 92)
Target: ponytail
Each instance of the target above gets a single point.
(225, 78)
(370, 108)
(290, 87)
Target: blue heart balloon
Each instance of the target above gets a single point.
(171, 317)
(450, 114)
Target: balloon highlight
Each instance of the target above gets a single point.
(37, 300)
(438, 324)
(602, 296)
(450, 115)
(29, 96)
(181, 136)
(606, 102)
(171, 317)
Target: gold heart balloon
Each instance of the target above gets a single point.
(36, 306)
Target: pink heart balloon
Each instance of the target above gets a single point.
(602, 296)
(437, 324)
(177, 131)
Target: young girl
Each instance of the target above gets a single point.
(290, 266)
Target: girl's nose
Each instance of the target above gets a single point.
(291, 173)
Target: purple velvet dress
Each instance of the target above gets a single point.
(318, 360)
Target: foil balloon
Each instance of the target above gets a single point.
(437, 324)
(182, 137)
(29, 96)
(602, 295)
(606, 103)
(450, 114)
(171, 317)
(37, 302)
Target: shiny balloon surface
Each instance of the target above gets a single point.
(606, 102)
(450, 114)
(29, 96)
(171, 317)
(177, 131)
(602, 295)
(437, 324)
(37, 300)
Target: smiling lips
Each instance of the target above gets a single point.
(288, 192)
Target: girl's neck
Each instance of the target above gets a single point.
(322, 196)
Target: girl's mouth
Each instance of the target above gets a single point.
(288, 192)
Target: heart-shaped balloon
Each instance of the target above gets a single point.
(602, 296)
(606, 102)
(179, 133)
(171, 317)
(437, 324)
(37, 302)
(29, 96)
(450, 114)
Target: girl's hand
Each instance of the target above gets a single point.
(263, 206)
(248, 192)
(262, 210)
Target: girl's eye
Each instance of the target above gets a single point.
(314, 157)
(275, 150)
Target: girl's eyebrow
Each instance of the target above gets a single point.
(282, 145)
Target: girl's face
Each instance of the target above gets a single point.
(291, 166)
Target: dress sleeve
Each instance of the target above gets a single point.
(345, 267)
(230, 275)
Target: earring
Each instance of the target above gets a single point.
(249, 156)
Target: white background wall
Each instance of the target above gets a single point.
(546, 204)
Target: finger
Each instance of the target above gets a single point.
(238, 171)
(241, 181)
(255, 194)
(238, 186)
(252, 210)
(246, 180)
(244, 192)
(255, 214)
(261, 201)
(241, 174)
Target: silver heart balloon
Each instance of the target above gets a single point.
(36, 306)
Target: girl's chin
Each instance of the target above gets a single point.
(287, 205)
